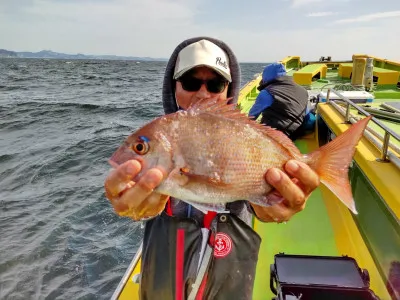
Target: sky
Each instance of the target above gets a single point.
(256, 30)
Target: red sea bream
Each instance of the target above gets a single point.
(214, 154)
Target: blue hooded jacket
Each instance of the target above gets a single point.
(264, 98)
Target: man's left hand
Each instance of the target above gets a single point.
(292, 192)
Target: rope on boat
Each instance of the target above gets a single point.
(344, 87)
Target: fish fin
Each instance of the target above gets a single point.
(209, 180)
(332, 162)
(229, 111)
(205, 207)
(179, 177)
(211, 105)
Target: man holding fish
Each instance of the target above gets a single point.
(199, 173)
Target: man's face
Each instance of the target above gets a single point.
(187, 91)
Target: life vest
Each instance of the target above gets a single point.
(176, 265)
(288, 110)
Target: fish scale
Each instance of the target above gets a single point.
(236, 166)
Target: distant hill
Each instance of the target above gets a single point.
(51, 54)
(6, 53)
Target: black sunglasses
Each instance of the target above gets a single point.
(192, 84)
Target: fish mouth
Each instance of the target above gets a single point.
(121, 156)
(113, 163)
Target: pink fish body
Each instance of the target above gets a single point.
(213, 154)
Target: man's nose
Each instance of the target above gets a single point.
(203, 92)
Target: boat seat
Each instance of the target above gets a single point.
(386, 76)
(383, 76)
(345, 70)
(305, 75)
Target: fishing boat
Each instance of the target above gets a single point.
(340, 93)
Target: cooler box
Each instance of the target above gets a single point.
(319, 277)
(355, 96)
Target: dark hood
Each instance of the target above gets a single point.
(168, 94)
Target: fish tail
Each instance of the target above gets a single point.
(332, 162)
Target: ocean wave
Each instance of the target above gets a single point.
(89, 77)
(13, 88)
(17, 124)
(7, 157)
(48, 104)
(50, 107)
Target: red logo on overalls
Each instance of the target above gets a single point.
(222, 244)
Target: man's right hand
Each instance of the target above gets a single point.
(135, 199)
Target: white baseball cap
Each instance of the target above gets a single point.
(202, 53)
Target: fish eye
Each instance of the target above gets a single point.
(141, 147)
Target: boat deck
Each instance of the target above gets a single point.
(324, 228)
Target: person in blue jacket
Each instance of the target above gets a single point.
(282, 103)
